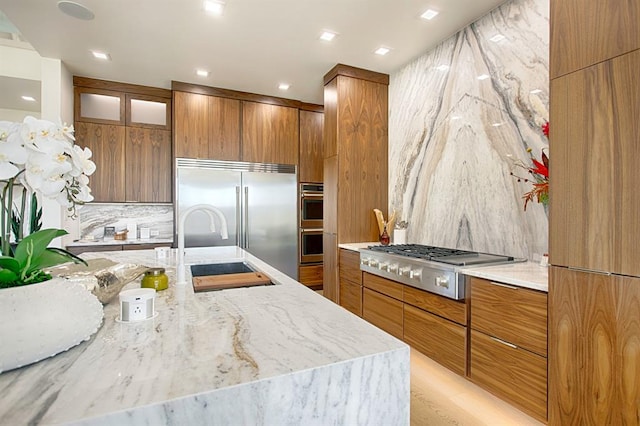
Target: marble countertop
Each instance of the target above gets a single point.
(523, 274)
(216, 351)
(113, 242)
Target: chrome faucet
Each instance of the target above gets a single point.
(210, 211)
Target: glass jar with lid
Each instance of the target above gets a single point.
(155, 278)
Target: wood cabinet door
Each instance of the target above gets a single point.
(383, 285)
(383, 312)
(269, 133)
(350, 266)
(148, 172)
(331, 280)
(351, 296)
(585, 33)
(510, 373)
(311, 276)
(439, 339)
(514, 314)
(453, 310)
(224, 129)
(311, 146)
(594, 348)
(191, 125)
(107, 143)
(596, 144)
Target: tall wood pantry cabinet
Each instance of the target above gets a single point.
(128, 129)
(355, 162)
(594, 288)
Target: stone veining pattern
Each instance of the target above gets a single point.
(274, 355)
(94, 217)
(459, 117)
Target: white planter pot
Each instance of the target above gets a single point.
(40, 320)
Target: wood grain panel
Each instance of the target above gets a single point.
(358, 73)
(583, 169)
(351, 296)
(594, 348)
(625, 82)
(453, 310)
(331, 285)
(350, 266)
(585, 33)
(362, 174)
(269, 133)
(383, 285)
(330, 131)
(383, 312)
(311, 276)
(190, 125)
(311, 149)
(330, 196)
(513, 314)
(148, 165)
(107, 143)
(224, 129)
(243, 96)
(439, 339)
(144, 246)
(120, 87)
(511, 373)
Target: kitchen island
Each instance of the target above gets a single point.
(271, 355)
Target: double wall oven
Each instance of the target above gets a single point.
(311, 206)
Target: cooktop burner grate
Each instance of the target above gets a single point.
(419, 251)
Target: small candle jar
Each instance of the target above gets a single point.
(155, 278)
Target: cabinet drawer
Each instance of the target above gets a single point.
(513, 314)
(453, 310)
(351, 296)
(144, 246)
(98, 247)
(511, 373)
(382, 311)
(439, 339)
(350, 266)
(383, 285)
(311, 275)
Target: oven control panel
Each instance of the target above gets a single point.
(425, 275)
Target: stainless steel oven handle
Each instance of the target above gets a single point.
(311, 230)
(246, 217)
(311, 195)
(238, 216)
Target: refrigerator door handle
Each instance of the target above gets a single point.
(246, 217)
(238, 216)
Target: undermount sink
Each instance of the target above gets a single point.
(221, 276)
(220, 269)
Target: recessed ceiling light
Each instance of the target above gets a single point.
(429, 14)
(75, 10)
(29, 98)
(483, 76)
(382, 51)
(214, 7)
(283, 86)
(100, 55)
(202, 73)
(496, 38)
(442, 67)
(327, 36)
(535, 91)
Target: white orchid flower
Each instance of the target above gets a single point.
(81, 161)
(12, 151)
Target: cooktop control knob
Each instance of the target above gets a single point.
(404, 271)
(415, 273)
(373, 263)
(382, 266)
(442, 281)
(392, 267)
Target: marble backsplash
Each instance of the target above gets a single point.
(93, 217)
(460, 116)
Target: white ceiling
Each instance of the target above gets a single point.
(252, 47)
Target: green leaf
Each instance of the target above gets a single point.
(7, 276)
(9, 263)
(53, 256)
(32, 246)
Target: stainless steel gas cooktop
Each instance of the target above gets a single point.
(435, 269)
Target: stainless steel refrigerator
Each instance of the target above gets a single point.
(259, 202)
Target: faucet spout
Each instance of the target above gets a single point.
(211, 211)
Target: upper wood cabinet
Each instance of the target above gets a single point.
(151, 149)
(128, 129)
(107, 143)
(585, 33)
(206, 127)
(596, 143)
(311, 146)
(269, 133)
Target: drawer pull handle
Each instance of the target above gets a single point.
(512, 287)
(511, 345)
